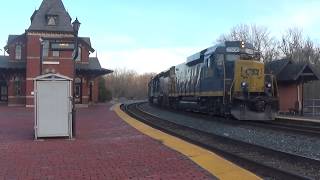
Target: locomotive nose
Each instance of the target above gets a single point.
(249, 75)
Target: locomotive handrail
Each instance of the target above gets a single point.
(231, 90)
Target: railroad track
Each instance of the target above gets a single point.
(267, 163)
(302, 128)
(312, 129)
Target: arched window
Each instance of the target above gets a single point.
(18, 52)
(79, 54)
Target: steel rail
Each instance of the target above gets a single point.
(260, 168)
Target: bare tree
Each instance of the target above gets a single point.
(292, 43)
(298, 48)
(128, 84)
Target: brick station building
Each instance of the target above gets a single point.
(32, 54)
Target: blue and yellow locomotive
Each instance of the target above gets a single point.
(226, 79)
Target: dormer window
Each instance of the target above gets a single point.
(52, 20)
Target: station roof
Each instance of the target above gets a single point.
(286, 70)
(93, 67)
(51, 8)
(6, 64)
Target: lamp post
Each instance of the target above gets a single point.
(76, 26)
(41, 54)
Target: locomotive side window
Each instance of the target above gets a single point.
(219, 60)
(210, 61)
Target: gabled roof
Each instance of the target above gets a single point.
(275, 67)
(286, 70)
(52, 76)
(6, 64)
(51, 7)
(291, 72)
(316, 70)
(88, 42)
(13, 38)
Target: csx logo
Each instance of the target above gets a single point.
(249, 72)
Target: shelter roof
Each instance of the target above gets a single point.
(287, 70)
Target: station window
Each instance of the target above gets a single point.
(18, 52)
(78, 90)
(55, 53)
(78, 85)
(45, 49)
(79, 54)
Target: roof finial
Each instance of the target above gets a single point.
(97, 54)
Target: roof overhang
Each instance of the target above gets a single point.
(94, 72)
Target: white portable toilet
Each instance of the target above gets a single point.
(53, 106)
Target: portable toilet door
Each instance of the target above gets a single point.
(53, 106)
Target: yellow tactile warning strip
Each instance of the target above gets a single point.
(209, 161)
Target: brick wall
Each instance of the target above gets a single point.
(63, 64)
(288, 94)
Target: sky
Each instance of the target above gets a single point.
(152, 35)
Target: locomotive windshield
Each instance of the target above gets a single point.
(240, 50)
(232, 57)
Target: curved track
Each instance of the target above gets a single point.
(312, 129)
(265, 162)
(297, 127)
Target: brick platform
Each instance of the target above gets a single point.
(105, 148)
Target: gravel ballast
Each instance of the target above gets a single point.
(289, 142)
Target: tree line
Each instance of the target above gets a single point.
(124, 83)
(292, 44)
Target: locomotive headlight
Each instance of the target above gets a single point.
(268, 85)
(244, 84)
(243, 44)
